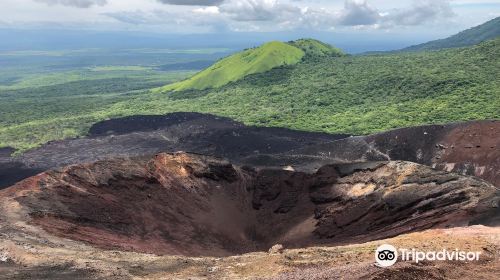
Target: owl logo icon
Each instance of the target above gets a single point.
(386, 255)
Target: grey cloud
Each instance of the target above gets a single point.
(259, 10)
(192, 2)
(358, 13)
(75, 3)
(286, 15)
(354, 13)
(421, 12)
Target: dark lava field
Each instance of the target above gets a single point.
(470, 148)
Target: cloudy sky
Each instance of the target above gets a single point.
(207, 16)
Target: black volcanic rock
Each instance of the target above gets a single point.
(148, 135)
(13, 172)
(470, 148)
(144, 123)
(6, 152)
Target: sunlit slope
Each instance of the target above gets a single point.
(237, 66)
(316, 48)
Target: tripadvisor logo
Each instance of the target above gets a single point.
(387, 255)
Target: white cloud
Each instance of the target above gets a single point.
(259, 10)
(211, 10)
(75, 3)
(192, 2)
(253, 15)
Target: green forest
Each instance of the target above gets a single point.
(359, 94)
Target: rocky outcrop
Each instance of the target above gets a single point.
(196, 205)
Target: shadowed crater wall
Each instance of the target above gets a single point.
(196, 205)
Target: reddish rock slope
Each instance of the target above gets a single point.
(196, 205)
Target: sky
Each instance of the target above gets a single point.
(209, 16)
(425, 19)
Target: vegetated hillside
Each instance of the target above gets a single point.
(361, 94)
(252, 61)
(487, 31)
(316, 48)
(237, 66)
(350, 94)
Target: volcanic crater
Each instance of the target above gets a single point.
(195, 205)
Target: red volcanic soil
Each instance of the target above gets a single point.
(470, 148)
(201, 206)
(473, 150)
